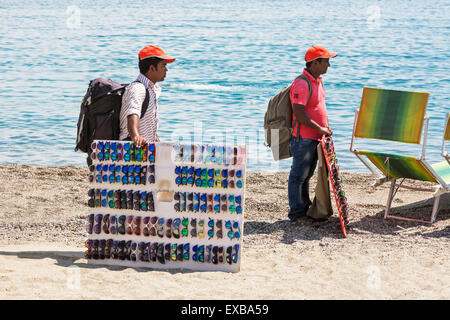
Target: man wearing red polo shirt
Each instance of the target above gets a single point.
(310, 123)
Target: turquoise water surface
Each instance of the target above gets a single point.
(232, 56)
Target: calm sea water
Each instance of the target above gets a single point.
(232, 56)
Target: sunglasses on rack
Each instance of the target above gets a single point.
(160, 253)
(149, 226)
(217, 256)
(142, 254)
(176, 228)
(129, 250)
(198, 253)
(185, 228)
(194, 228)
(133, 225)
(154, 252)
(121, 199)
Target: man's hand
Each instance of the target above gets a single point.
(325, 131)
(138, 141)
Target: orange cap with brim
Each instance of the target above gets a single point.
(154, 51)
(316, 52)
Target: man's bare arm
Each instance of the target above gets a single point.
(304, 119)
(133, 130)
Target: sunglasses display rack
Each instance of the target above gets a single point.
(336, 181)
(166, 205)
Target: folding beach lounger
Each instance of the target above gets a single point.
(446, 137)
(398, 116)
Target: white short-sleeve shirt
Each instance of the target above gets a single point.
(132, 100)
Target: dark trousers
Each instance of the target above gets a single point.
(304, 162)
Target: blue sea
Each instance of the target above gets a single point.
(231, 57)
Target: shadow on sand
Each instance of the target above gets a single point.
(70, 259)
(310, 230)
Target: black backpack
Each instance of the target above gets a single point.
(99, 117)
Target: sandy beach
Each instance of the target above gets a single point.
(43, 212)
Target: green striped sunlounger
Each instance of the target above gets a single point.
(398, 116)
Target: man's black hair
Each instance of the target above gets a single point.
(308, 64)
(145, 64)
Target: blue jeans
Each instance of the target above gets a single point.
(304, 162)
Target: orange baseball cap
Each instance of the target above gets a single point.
(154, 51)
(318, 52)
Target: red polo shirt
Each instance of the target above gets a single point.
(315, 108)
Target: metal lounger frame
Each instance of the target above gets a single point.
(438, 190)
